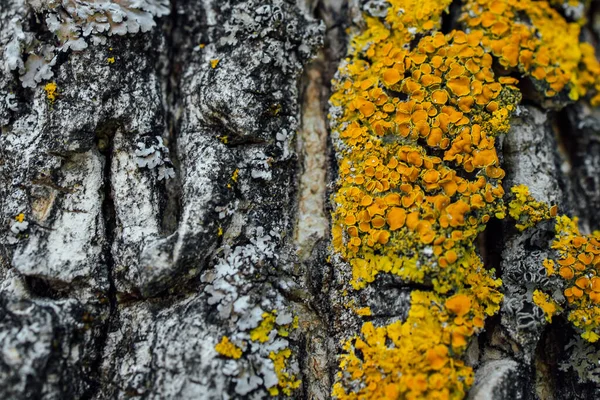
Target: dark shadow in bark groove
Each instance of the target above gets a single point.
(105, 145)
(171, 80)
(450, 19)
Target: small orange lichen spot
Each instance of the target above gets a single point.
(20, 217)
(228, 349)
(202, 45)
(51, 91)
(439, 96)
(110, 60)
(460, 86)
(234, 176)
(437, 356)
(364, 311)
(214, 62)
(391, 76)
(459, 304)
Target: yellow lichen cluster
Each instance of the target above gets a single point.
(579, 266)
(546, 303)
(416, 358)
(51, 91)
(526, 211)
(419, 179)
(228, 349)
(262, 331)
(416, 113)
(267, 328)
(531, 36)
(287, 382)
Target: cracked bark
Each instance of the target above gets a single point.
(114, 289)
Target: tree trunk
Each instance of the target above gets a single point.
(167, 186)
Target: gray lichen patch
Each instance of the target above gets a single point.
(47, 346)
(75, 25)
(530, 159)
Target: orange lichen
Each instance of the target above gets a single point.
(417, 113)
(534, 38)
(420, 353)
(406, 204)
(579, 261)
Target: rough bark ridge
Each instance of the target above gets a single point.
(165, 181)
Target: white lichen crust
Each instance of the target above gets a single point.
(151, 188)
(75, 24)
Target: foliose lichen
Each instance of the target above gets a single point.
(579, 267)
(18, 229)
(258, 347)
(151, 152)
(75, 24)
(584, 360)
(415, 115)
(526, 211)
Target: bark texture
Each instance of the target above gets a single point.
(173, 190)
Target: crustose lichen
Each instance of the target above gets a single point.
(75, 24)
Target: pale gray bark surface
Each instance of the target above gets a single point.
(122, 280)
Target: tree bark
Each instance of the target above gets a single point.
(172, 194)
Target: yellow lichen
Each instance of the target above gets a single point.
(419, 175)
(579, 267)
(287, 382)
(534, 38)
(51, 91)
(262, 331)
(547, 304)
(526, 211)
(363, 311)
(214, 63)
(110, 60)
(228, 349)
(20, 217)
(269, 329)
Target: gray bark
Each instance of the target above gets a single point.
(120, 281)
